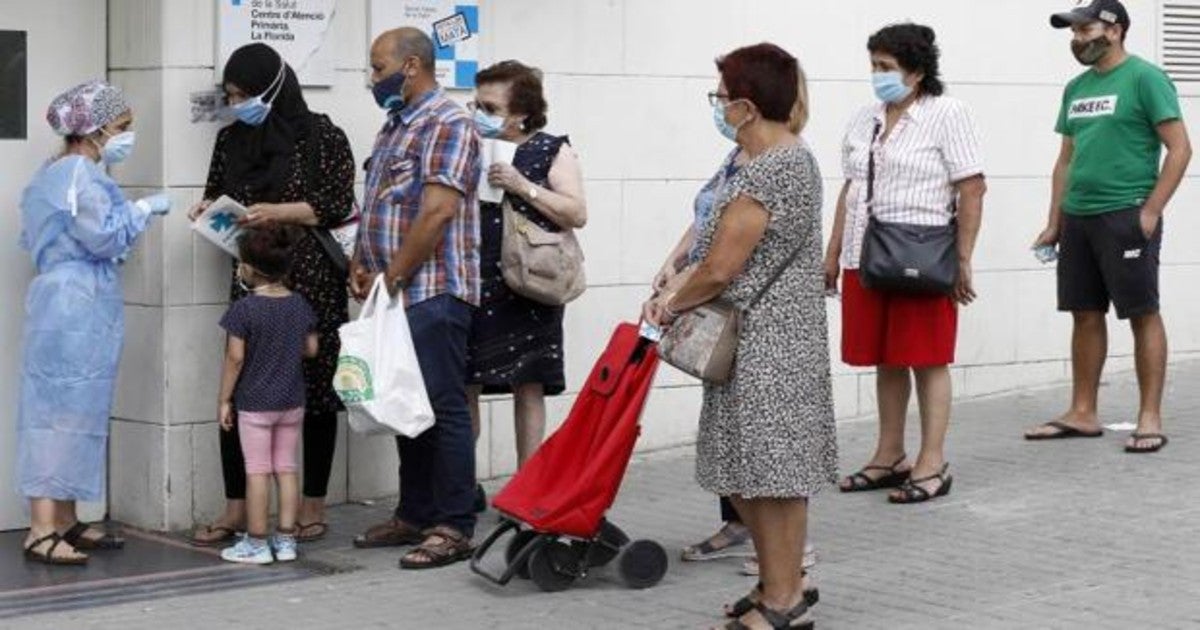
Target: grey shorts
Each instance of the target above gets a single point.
(1106, 258)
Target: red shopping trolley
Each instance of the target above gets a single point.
(554, 506)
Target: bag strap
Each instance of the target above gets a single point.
(871, 170)
(778, 273)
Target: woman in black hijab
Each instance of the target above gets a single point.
(287, 165)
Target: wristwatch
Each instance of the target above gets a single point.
(533, 192)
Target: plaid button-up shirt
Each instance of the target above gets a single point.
(431, 141)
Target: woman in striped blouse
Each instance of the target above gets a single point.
(927, 171)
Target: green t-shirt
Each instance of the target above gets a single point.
(1113, 119)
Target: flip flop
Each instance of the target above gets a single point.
(303, 535)
(226, 534)
(1065, 431)
(1136, 437)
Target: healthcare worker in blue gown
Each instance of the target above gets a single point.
(78, 227)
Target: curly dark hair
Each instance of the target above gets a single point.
(914, 46)
(268, 250)
(525, 96)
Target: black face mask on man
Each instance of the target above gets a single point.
(1091, 51)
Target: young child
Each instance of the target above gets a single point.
(270, 332)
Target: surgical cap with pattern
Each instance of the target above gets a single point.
(85, 108)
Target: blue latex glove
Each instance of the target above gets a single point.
(159, 204)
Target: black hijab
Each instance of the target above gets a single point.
(258, 158)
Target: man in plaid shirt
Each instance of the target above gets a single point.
(420, 229)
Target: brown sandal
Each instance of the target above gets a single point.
(212, 535)
(443, 546)
(304, 535)
(394, 533)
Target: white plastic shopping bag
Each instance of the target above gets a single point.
(378, 377)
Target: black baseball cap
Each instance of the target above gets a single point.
(1107, 11)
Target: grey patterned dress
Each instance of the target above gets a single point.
(769, 430)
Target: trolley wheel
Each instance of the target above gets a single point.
(642, 564)
(554, 567)
(515, 545)
(608, 543)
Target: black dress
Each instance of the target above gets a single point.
(515, 340)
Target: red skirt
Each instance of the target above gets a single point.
(896, 330)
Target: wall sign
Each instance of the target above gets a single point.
(453, 25)
(298, 29)
(13, 91)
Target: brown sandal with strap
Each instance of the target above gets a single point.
(394, 533)
(443, 546)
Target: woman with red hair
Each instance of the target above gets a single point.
(767, 437)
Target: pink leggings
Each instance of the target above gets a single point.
(269, 440)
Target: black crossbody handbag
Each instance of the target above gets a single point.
(905, 257)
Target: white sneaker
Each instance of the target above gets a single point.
(248, 550)
(284, 546)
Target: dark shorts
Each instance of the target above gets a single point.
(1106, 258)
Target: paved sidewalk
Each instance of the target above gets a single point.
(1071, 534)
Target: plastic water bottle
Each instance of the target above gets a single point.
(1045, 253)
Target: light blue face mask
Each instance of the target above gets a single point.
(117, 148)
(488, 125)
(726, 129)
(890, 86)
(253, 111)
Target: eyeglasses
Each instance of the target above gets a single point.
(715, 98)
(474, 106)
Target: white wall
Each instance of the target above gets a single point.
(65, 48)
(626, 79)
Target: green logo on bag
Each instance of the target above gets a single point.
(352, 382)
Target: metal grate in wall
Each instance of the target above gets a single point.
(1179, 38)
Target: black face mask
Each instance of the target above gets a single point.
(1091, 51)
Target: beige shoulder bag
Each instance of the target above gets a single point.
(538, 264)
(703, 341)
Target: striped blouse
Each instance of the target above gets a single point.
(933, 145)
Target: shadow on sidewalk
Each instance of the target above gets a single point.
(150, 566)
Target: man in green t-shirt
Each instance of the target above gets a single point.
(1106, 213)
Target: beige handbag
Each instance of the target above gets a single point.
(541, 265)
(703, 341)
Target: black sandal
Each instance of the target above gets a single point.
(75, 537)
(47, 556)
(913, 493)
(1137, 437)
(861, 482)
(779, 620)
(812, 596)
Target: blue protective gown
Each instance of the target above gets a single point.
(75, 223)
